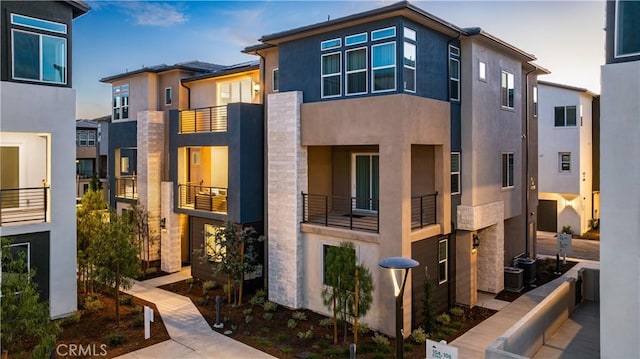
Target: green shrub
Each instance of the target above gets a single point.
(291, 323)
(114, 339)
(269, 306)
(331, 353)
(264, 342)
(248, 319)
(208, 285)
(306, 335)
(443, 319)
(247, 311)
(267, 316)
(299, 316)
(282, 337)
(258, 298)
(136, 310)
(457, 312)
(567, 230)
(363, 328)
(326, 322)
(126, 300)
(151, 270)
(138, 322)
(286, 349)
(72, 319)
(204, 301)
(408, 348)
(93, 306)
(380, 340)
(419, 336)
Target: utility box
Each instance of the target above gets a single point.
(513, 279)
(529, 267)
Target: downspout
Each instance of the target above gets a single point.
(526, 161)
(188, 93)
(263, 95)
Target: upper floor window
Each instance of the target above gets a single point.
(383, 62)
(383, 33)
(443, 259)
(275, 80)
(356, 71)
(409, 60)
(355, 39)
(455, 173)
(331, 74)
(565, 116)
(482, 71)
(235, 91)
(168, 96)
(121, 102)
(38, 54)
(508, 88)
(564, 161)
(409, 34)
(330, 44)
(535, 101)
(85, 138)
(454, 73)
(627, 31)
(507, 170)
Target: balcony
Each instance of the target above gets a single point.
(23, 205)
(127, 187)
(202, 198)
(424, 210)
(206, 119)
(336, 211)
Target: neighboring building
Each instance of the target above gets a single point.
(567, 194)
(37, 176)
(92, 148)
(620, 171)
(407, 136)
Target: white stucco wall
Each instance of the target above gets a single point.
(620, 204)
(50, 110)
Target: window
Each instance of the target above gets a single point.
(383, 33)
(627, 31)
(168, 96)
(482, 71)
(454, 73)
(508, 86)
(409, 66)
(38, 56)
(124, 165)
(565, 116)
(409, 34)
(383, 60)
(535, 101)
(356, 70)
(355, 39)
(564, 161)
(85, 138)
(331, 74)
(121, 102)
(214, 249)
(455, 173)
(235, 91)
(330, 44)
(84, 168)
(329, 252)
(507, 170)
(91, 138)
(365, 180)
(443, 259)
(275, 80)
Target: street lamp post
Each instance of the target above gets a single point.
(402, 265)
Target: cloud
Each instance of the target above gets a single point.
(154, 13)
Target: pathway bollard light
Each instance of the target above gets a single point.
(401, 266)
(218, 324)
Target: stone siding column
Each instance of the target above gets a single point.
(170, 258)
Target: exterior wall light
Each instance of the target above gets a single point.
(476, 241)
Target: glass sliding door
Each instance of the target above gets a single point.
(366, 181)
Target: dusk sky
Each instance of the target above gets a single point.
(567, 37)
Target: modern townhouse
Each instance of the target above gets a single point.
(620, 171)
(87, 149)
(568, 195)
(406, 136)
(37, 176)
(186, 142)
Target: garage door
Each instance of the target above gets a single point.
(547, 215)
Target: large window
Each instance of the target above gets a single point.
(214, 249)
(455, 173)
(235, 91)
(331, 74)
(356, 71)
(565, 116)
(507, 170)
(454, 73)
(84, 168)
(38, 55)
(627, 31)
(564, 161)
(383, 60)
(443, 259)
(409, 62)
(121, 102)
(275, 80)
(366, 183)
(508, 88)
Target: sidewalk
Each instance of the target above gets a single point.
(191, 336)
(473, 343)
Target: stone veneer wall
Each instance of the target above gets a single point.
(170, 258)
(287, 178)
(150, 147)
(488, 220)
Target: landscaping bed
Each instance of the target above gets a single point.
(545, 273)
(286, 333)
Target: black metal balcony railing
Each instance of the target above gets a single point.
(206, 119)
(23, 205)
(335, 211)
(127, 187)
(202, 198)
(424, 210)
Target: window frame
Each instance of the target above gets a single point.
(357, 42)
(455, 57)
(120, 92)
(565, 110)
(40, 78)
(456, 173)
(444, 261)
(331, 47)
(617, 24)
(13, 22)
(406, 30)
(482, 71)
(510, 101)
(275, 88)
(508, 181)
(535, 101)
(375, 32)
(562, 162)
(168, 96)
(338, 74)
(410, 68)
(365, 70)
(394, 66)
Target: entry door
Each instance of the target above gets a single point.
(9, 175)
(547, 215)
(366, 178)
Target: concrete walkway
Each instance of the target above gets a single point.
(191, 336)
(473, 343)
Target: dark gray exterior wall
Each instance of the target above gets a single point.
(39, 248)
(122, 135)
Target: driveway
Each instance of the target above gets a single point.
(580, 248)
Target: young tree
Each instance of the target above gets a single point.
(233, 253)
(146, 237)
(24, 317)
(95, 184)
(91, 218)
(115, 256)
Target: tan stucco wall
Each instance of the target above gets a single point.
(204, 93)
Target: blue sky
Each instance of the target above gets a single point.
(567, 37)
